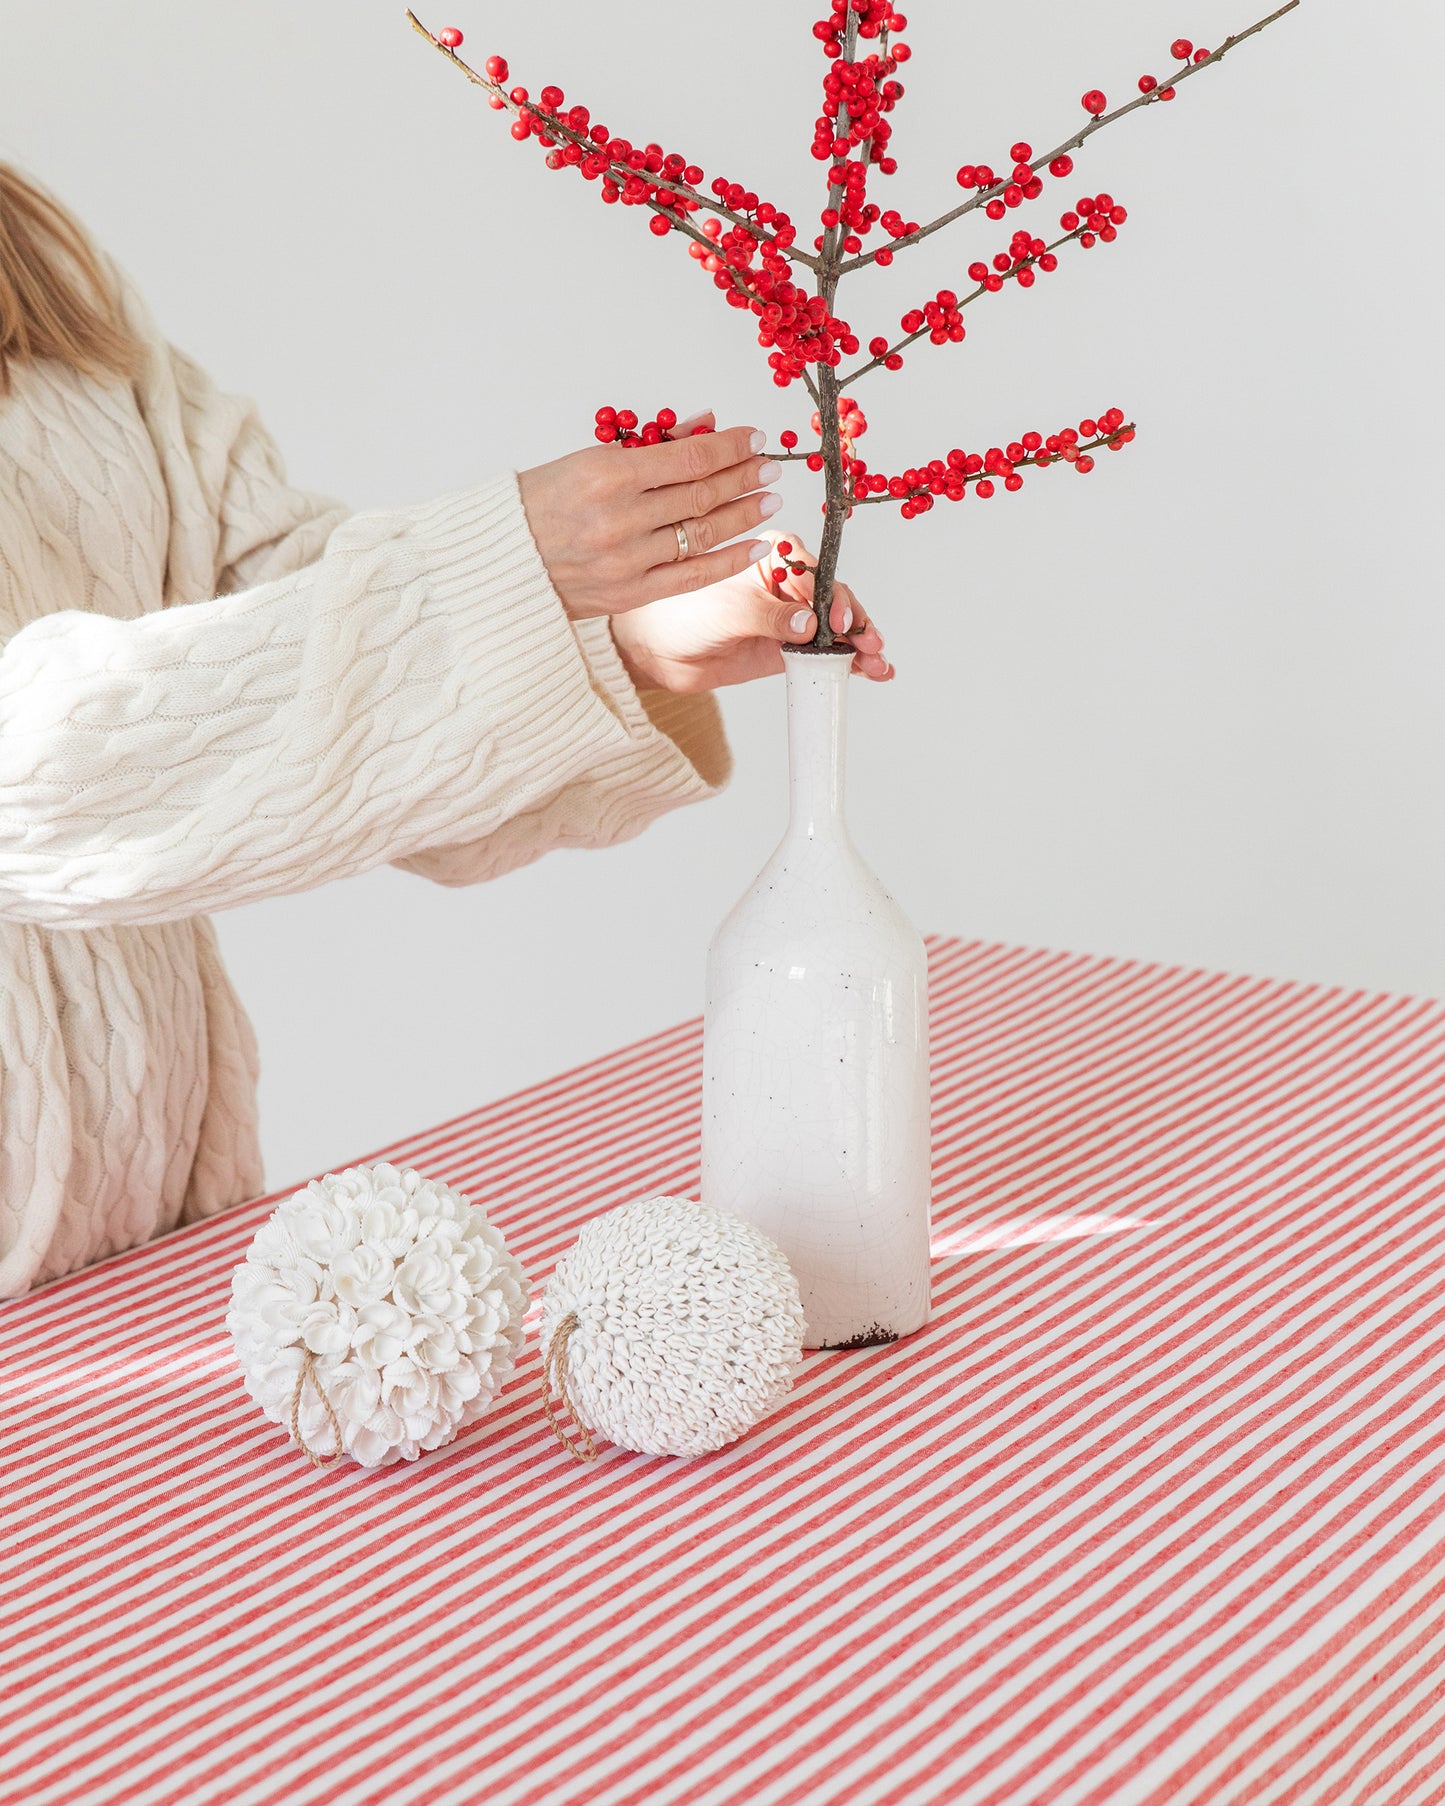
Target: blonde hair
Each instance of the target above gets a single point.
(56, 300)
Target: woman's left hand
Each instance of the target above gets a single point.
(735, 630)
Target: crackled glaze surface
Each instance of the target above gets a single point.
(815, 1052)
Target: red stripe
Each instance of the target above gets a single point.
(1122, 1162)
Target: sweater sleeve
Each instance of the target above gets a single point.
(416, 686)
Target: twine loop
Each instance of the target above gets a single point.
(554, 1372)
(314, 1456)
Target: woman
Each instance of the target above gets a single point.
(214, 688)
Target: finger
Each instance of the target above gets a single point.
(701, 496)
(873, 665)
(684, 427)
(713, 529)
(683, 575)
(690, 459)
(846, 615)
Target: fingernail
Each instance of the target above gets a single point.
(757, 547)
(770, 503)
(692, 419)
(758, 440)
(769, 472)
(801, 621)
(847, 619)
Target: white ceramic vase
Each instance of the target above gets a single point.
(815, 1123)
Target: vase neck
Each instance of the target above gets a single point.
(817, 695)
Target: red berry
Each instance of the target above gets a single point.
(1069, 221)
(1201, 56)
(496, 67)
(1061, 166)
(977, 272)
(1013, 481)
(666, 419)
(1086, 239)
(1166, 93)
(876, 347)
(450, 36)
(788, 440)
(626, 419)
(784, 547)
(1180, 49)
(660, 225)
(1084, 463)
(551, 98)
(1094, 102)
(995, 209)
(1147, 84)
(815, 460)
(1025, 278)
(1021, 152)
(893, 361)
(985, 488)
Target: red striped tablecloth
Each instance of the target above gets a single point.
(1150, 1512)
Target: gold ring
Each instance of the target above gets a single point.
(682, 545)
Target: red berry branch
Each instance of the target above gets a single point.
(747, 245)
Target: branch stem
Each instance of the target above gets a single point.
(985, 195)
(556, 127)
(869, 501)
(847, 382)
(835, 480)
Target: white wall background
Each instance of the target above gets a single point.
(1188, 709)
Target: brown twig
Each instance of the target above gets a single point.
(847, 382)
(980, 476)
(559, 128)
(835, 483)
(984, 195)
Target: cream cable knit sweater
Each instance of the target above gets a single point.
(214, 688)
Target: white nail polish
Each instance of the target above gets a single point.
(847, 619)
(802, 620)
(758, 548)
(758, 440)
(770, 504)
(769, 472)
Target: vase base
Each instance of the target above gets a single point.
(876, 1337)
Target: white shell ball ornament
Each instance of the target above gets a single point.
(670, 1328)
(376, 1314)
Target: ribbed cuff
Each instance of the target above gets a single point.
(577, 755)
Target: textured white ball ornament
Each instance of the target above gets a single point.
(376, 1314)
(670, 1328)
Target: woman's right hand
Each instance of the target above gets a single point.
(603, 518)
